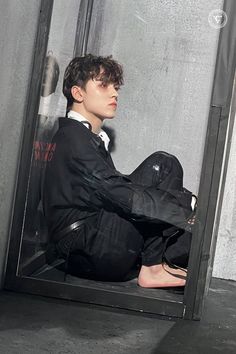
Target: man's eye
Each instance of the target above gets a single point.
(103, 84)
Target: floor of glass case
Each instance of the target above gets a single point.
(50, 273)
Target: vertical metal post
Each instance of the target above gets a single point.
(83, 27)
(203, 244)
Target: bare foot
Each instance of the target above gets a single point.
(161, 276)
(179, 271)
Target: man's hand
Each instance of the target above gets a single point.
(192, 219)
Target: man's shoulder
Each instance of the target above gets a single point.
(70, 124)
(72, 129)
(73, 135)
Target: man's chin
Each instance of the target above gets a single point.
(110, 117)
(107, 117)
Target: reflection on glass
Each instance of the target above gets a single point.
(52, 105)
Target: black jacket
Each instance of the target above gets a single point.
(81, 179)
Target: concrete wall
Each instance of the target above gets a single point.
(17, 35)
(168, 51)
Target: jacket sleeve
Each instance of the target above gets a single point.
(113, 191)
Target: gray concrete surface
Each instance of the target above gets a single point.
(31, 324)
(18, 26)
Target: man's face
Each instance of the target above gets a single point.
(100, 99)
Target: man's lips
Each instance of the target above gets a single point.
(114, 104)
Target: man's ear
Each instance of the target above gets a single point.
(77, 93)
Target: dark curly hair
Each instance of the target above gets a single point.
(82, 69)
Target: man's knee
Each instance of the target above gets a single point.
(163, 158)
(168, 169)
(164, 155)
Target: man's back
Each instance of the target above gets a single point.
(68, 181)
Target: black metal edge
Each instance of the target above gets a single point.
(83, 27)
(29, 121)
(209, 243)
(232, 114)
(88, 23)
(196, 256)
(226, 119)
(201, 254)
(96, 296)
(206, 253)
(226, 58)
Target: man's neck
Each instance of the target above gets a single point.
(95, 122)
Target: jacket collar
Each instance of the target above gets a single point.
(74, 122)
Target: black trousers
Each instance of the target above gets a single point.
(113, 248)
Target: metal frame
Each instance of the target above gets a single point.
(30, 117)
(83, 27)
(220, 118)
(187, 306)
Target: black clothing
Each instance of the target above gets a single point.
(125, 216)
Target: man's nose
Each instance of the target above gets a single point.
(114, 92)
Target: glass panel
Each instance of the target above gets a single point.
(168, 66)
(52, 105)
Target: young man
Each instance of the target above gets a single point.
(107, 225)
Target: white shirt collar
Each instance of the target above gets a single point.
(77, 116)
